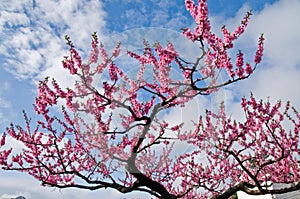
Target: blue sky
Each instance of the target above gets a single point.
(32, 46)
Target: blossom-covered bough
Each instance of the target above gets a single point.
(83, 147)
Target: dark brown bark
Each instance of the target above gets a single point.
(249, 189)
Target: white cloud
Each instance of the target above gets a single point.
(279, 23)
(4, 103)
(277, 76)
(33, 33)
(13, 19)
(16, 184)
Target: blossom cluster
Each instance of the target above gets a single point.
(217, 54)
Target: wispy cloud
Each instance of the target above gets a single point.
(32, 32)
(151, 13)
(5, 104)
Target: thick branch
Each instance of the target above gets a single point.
(249, 189)
(143, 180)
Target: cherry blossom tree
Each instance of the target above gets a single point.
(76, 142)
